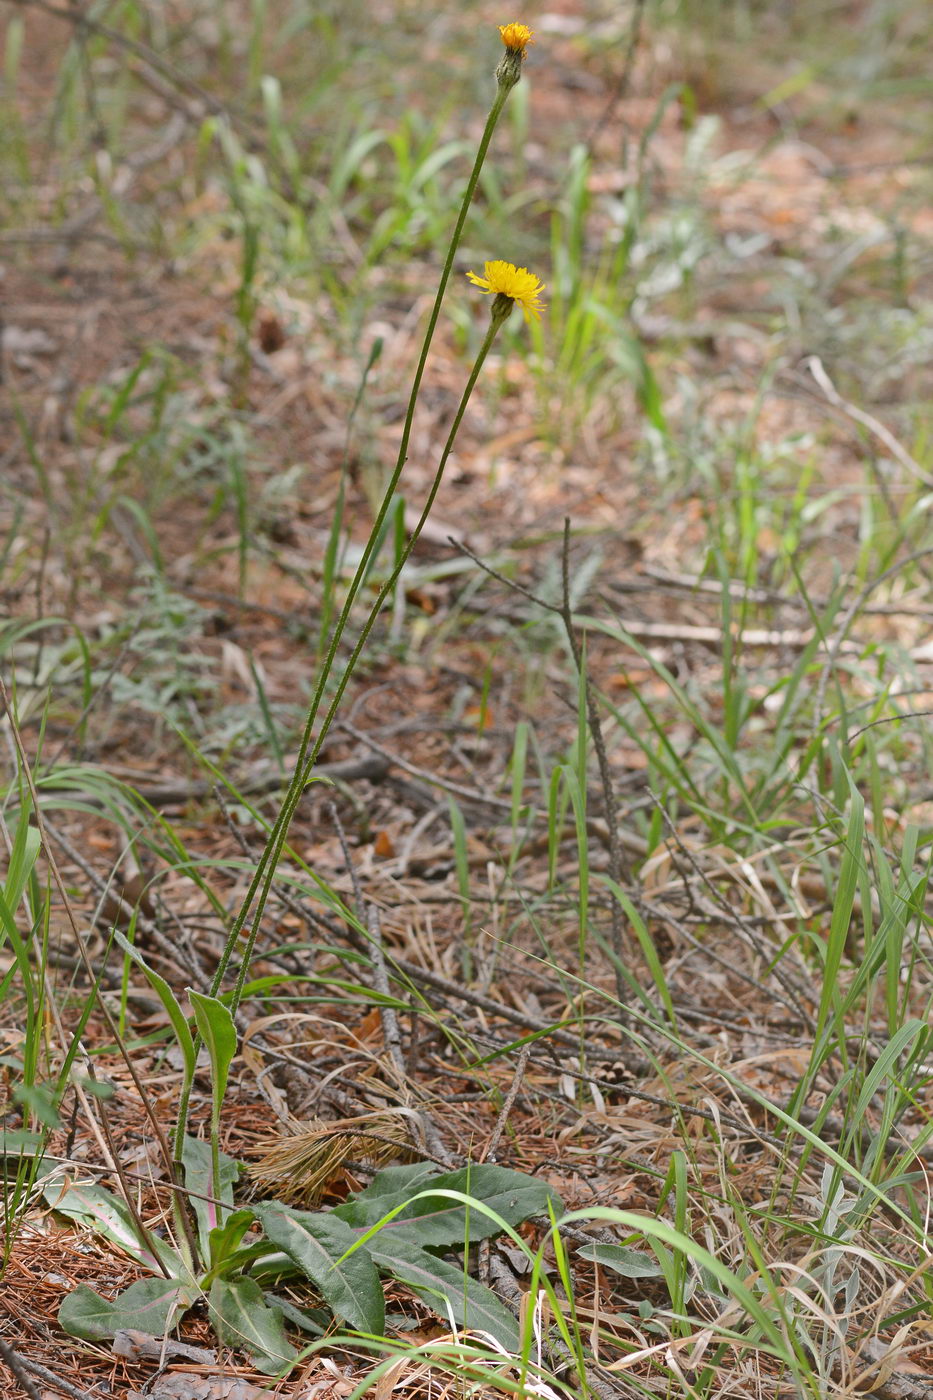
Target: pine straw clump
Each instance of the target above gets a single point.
(297, 1168)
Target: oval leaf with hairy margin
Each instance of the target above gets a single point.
(316, 1241)
(388, 1189)
(437, 1222)
(630, 1263)
(97, 1207)
(243, 1319)
(149, 1305)
(446, 1288)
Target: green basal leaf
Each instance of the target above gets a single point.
(197, 1160)
(446, 1289)
(224, 1241)
(631, 1263)
(96, 1207)
(388, 1189)
(317, 1321)
(436, 1222)
(149, 1305)
(316, 1241)
(216, 1028)
(243, 1319)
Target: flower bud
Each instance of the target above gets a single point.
(516, 38)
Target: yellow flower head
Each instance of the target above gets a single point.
(516, 37)
(516, 283)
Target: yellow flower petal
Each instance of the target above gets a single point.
(516, 37)
(516, 283)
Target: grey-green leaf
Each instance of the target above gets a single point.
(631, 1263)
(243, 1319)
(149, 1305)
(316, 1241)
(436, 1222)
(447, 1289)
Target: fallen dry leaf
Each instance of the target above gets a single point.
(181, 1386)
(133, 1344)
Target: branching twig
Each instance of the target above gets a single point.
(82, 21)
(169, 948)
(623, 82)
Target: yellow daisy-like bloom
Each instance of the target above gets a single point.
(516, 37)
(516, 283)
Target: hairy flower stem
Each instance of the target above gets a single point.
(309, 749)
(303, 773)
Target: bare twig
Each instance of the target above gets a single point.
(867, 420)
(171, 794)
(623, 82)
(358, 900)
(445, 784)
(484, 1003)
(16, 1364)
(659, 912)
(794, 994)
(493, 1144)
(168, 947)
(74, 1392)
(695, 583)
(82, 21)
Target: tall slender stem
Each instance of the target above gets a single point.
(277, 835)
(260, 885)
(303, 773)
